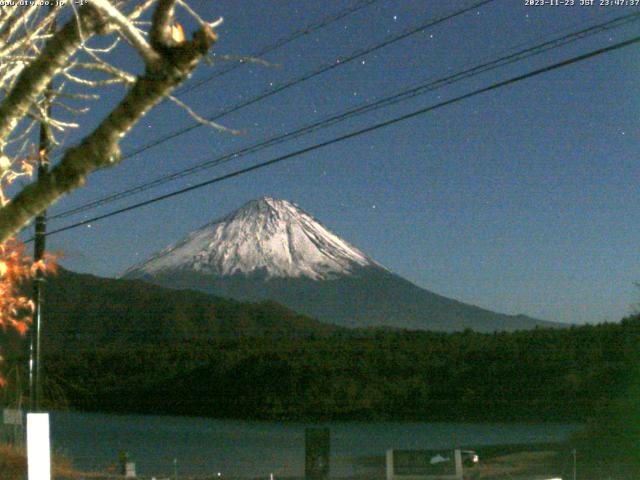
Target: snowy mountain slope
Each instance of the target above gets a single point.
(272, 250)
(270, 236)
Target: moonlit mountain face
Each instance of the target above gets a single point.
(267, 236)
(272, 250)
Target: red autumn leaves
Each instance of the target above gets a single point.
(16, 268)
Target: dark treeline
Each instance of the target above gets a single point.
(540, 375)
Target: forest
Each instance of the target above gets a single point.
(567, 375)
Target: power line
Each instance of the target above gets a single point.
(307, 76)
(274, 46)
(355, 133)
(360, 110)
(282, 42)
(312, 74)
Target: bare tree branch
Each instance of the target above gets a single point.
(140, 9)
(198, 118)
(33, 80)
(17, 21)
(162, 22)
(31, 36)
(101, 148)
(127, 29)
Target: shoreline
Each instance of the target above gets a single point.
(401, 420)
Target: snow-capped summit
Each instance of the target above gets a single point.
(267, 236)
(272, 250)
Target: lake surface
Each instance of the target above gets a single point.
(204, 446)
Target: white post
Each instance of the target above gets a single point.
(458, 457)
(38, 446)
(130, 470)
(390, 472)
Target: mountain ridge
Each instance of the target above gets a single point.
(270, 249)
(87, 310)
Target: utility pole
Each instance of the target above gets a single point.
(45, 143)
(574, 452)
(35, 362)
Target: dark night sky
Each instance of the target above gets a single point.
(521, 200)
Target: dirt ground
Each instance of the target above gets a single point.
(516, 466)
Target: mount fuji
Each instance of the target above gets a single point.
(271, 249)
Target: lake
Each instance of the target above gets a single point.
(251, 448)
